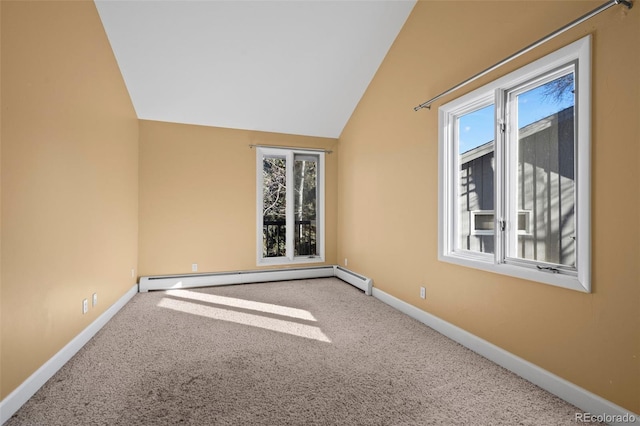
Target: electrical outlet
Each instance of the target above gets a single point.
(423, 293)
(85, 306)
(94, 299)
(346, 262)
(194, 267)
(133, 273)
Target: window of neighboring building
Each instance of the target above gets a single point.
(290, 206)
(482, 222)
(515, 172)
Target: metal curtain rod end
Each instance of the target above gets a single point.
(629, 4)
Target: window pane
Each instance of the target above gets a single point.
(305, 175)
(484, 222)
(523, 222)
(274, 190)
(545, 171)
(475, 136)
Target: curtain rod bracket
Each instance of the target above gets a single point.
(419, 107)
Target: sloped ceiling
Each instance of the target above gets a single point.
(297, 67)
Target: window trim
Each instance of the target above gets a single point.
(493, 92)
(289, 154)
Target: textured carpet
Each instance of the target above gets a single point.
(309, 352)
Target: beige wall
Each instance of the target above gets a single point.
(198, 196)
(70, 177)
(69, 180)
(389, 183)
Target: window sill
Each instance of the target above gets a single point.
(569, 282)
(287, 261)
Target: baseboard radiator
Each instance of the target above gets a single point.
(168, 282)
(363, 283)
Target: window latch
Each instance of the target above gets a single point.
(548, 269)
(502, 224)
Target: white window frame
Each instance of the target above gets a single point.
(289, 258)
(579, 279)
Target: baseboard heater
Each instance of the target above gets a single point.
(363, 283)
(168, 282)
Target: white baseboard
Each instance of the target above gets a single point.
(17, 398)
(169, 282)
(581, 398)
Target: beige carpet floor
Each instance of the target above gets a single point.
(308, 352)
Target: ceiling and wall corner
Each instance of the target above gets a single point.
(293, 67)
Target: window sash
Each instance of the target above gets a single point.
(312, 228)
(290, 157)
(512, 190)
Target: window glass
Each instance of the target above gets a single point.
(305, 174)
(484, 222)
(545, 170)
(475, 137)
(274, 213)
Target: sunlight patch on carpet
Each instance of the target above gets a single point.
(281, 326)
(244, 304)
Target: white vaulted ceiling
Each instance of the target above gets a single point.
(295, 66)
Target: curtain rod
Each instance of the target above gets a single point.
(328, 151)
(594, 12)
